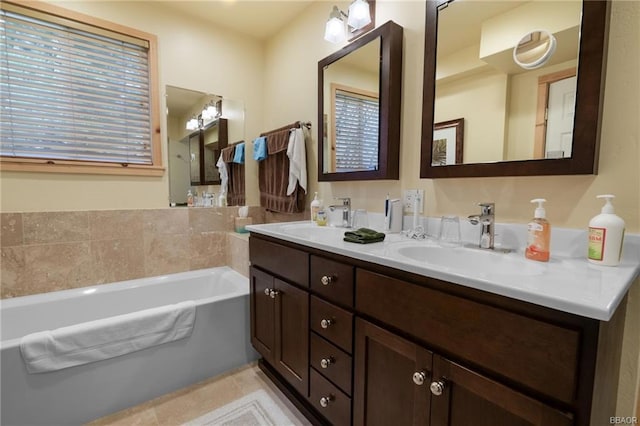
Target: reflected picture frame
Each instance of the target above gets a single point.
(448, 142)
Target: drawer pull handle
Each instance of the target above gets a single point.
(325, 323)
(326, 362)
(438, 387)
(325, 400)
(274, 293)
(267, 291)
(326, 279)
(419, 377)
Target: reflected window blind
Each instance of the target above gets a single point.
(356, 131)
(72, 94)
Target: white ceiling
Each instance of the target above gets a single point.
(257, 18)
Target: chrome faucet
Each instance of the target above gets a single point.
(346, 211)
(486, 218)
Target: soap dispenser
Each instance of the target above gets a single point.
(539, 234)
(606, 234)
(315, 208)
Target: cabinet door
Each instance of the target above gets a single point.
(263, 333)
(462, 397)
(392, 377)
(292, 335)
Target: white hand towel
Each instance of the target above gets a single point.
(297, 153)
(224, 176)
(106, 338)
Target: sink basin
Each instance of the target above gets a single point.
(466, 260)
(313, 232)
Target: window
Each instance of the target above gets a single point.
(78, 94)
(356, 129)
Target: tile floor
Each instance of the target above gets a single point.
(194, 401)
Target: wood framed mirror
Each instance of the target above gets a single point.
(587, 38)
(359, 94)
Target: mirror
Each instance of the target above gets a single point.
(193, 153)
(359, 90)
(540, 119)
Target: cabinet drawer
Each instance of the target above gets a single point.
(331, 362)
(333, 280)
(332, 323)
(286, 262)
(330, 401)
(528, 351)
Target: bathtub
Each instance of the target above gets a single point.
(219, 342)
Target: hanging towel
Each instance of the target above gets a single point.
(296, 151)
(224, 175)
(238, 156)
(106, 338)
(260, 148)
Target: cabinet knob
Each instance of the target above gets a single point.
(274, 293)
(326, 279)
(325, 400)
(267, 291)
(326, 362)
(325, 323)
(438, 387)
(419, 377)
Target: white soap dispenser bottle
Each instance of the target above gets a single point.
(315, 208)
(606, 234)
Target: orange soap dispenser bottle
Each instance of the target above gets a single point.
(539, 234)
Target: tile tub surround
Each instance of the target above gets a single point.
(49, 251)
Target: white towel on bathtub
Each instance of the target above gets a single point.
(106, 338)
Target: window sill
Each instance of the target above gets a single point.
(46, 166)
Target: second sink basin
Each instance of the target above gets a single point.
(467, 260)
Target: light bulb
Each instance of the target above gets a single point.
(334, 31)
(359, 15)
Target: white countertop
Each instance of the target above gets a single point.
(568, 282)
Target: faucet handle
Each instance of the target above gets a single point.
(346, 201)
(487, 208)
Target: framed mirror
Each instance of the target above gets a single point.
(359, 92)
(540, 119)
(193, 152)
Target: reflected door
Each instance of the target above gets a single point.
(560, 114)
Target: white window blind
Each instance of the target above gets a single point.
(356, 131)
(71, 93)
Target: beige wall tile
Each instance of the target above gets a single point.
(272, 217)
(12, 266)
(207, 249)
(257, 213)
(165, 254)
(52, 267)
(115, 224)
(55, 227)
(166, 221)
(238, 253)
(11, 232)
(211, 219)
(118, 260)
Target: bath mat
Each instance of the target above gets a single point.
(255, 409)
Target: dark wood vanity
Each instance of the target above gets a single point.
(352, 342)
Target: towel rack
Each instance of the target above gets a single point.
(294, 125)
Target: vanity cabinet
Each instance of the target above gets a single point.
(279, 329)
(352, 342)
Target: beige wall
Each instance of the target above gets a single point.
(192, 54)
(481, 99)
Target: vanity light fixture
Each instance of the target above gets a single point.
(210, 112)
(192, 124)
(359, 17)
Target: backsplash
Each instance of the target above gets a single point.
(49, 251)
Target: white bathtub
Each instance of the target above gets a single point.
(219, 342)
